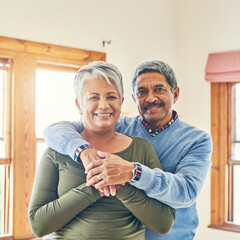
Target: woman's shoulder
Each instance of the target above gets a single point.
(140, 140)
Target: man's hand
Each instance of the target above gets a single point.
(111, 170)
(90, 155)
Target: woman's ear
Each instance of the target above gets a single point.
(78, 106)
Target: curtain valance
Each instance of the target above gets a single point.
(223, 67)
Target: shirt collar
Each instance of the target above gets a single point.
(152, 132)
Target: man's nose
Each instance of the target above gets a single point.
(151, 97)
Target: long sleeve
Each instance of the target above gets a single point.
(181, 188)
(64, 137)
(47, 211)
(152, 213)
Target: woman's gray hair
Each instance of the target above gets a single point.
(155, 66)
(98, 69)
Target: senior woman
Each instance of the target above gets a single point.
(62, 206)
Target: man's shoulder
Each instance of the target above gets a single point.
(126, 123)
(193, 132)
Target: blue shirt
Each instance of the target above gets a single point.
(184, 152)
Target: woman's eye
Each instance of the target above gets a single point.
(93, 98)
(112, 97)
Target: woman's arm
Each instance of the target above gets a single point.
(47, 211)
(153, 214)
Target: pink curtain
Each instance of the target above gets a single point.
(223, 67)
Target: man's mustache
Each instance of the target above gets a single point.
(153, 105)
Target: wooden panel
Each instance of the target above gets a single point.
(23, 141)
(219, 157)
(50, 50)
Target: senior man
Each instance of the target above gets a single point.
(183, 150)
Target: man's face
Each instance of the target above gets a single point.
(154, 98)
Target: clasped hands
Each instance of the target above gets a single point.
(106, 172)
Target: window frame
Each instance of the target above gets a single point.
(26, 56)
(221, 173)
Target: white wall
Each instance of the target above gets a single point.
(138, 29)
(180, 32)
(203, 26)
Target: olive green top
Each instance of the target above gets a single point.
(62, 204)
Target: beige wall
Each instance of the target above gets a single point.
(203, 26)
(180, 32)
(138, 29)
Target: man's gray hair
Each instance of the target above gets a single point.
(98, 69)
(155, 66)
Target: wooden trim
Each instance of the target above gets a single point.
(6, 237)
(7, 199)
(50, 50)
(229, 150)
(23, 140)
(220, 154)
(227, 227)
(57, 67)
(4, 161)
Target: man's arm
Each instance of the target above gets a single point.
(64, 137)
(178, 190)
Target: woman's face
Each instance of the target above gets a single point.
(100, 105)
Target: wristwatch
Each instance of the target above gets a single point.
(137, 172)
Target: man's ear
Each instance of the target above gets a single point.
(176, 94)
(78, 106)
(133, 98)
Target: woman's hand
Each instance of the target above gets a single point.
(110, 170)
(90, 155)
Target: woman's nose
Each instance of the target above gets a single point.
(103, 104)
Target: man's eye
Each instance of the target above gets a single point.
(160, 89)
(141, 92)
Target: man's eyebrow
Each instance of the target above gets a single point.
(140, 88)
(159, 85)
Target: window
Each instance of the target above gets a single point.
(225, 172)
(22, 65)
(4, 146)
(223, 71)
(51, 89)
(234, 160)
